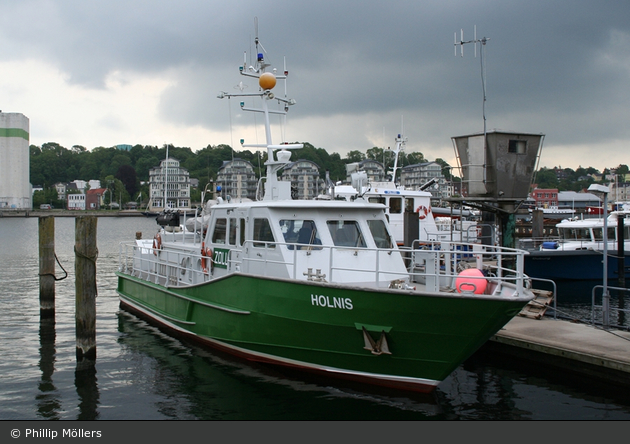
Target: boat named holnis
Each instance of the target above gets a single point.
(319, 285)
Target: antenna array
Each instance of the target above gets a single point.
(476, 41)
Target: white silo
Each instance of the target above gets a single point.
(15, 188)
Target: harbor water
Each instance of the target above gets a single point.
(142, 374)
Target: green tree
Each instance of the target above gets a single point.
(355, 156)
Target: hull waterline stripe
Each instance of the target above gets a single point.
(284, 361)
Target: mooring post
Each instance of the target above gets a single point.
(46, 266)
(85, 251)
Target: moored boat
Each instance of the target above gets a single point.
(319, 285)
(577, 253)
(428, 223)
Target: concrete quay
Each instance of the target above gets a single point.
(70, 213)
(577, 347)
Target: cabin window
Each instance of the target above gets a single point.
(232, 236)
(300, 232)
(395, 205)
(263, 233)
(598, 234)
(572, 234)
(380, 234)
(218, 236)
(379, 200)
(242, 238)
(346, 233)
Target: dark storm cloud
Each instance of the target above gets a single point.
(557, 67)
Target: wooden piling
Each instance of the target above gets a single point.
(86, 252)
(46, 266)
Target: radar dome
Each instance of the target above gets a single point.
(267, 81)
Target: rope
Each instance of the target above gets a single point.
(90, 258)
(52, 274)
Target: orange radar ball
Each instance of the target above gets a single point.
(267, 81)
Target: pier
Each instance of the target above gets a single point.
(572, 346)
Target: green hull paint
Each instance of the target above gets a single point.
(428, 336)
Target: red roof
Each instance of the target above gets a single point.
(97, 191)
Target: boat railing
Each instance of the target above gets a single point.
(172, 267)
(606, 308)
(437, 266)
(332, 262)
(442, 264)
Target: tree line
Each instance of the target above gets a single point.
(567, 179)
(123, 172)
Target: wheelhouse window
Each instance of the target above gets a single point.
(380, 234)
(395, 205)
(303, 232)
(380, 200)
(346, 233)
(241, 240)
(263, 234)
(598, 234)
(218, 236)
(571, 234)
(232, 236)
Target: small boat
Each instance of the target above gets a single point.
(555, 212)
(578, 251)
(318, 285)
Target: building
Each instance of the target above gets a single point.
(94, 198)
(236, 179)
(76, 201)
(15, 188)
(61, 190)
(545, 197)
(577, 201)
(304, 178)
(177, 181)
(619, 191)
(412, 177)
(374, 170)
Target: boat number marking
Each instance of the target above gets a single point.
(327, 301)
(220, 257)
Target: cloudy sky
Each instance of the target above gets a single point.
(101, 73)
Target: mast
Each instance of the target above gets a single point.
(400, 144)
(166, 180)
(274, 188)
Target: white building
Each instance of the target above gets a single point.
(237, 180)
(76, 201)
(15, 188)
(177, 191)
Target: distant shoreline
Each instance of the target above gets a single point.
(71, 213)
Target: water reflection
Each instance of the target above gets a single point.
(210, 385)
(48, 404)
(87, 389)
(143, 374)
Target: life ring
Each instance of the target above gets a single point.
(206, 258)
(423, 211)
(157, 243)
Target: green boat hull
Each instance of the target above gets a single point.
(322, 327)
